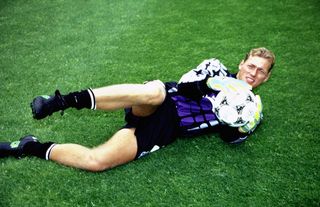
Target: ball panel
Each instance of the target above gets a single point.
(228, 114)
(235, 109)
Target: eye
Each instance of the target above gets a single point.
(250, 66)
(262, 71)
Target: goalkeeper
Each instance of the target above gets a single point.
(156, 114)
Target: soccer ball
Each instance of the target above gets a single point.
(235, 108)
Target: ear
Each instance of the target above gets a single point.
(240, 64)
(267, 78)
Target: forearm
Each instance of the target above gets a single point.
(232, 135)
(194, 90)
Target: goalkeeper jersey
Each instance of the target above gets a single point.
(194, 102)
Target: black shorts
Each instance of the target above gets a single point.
(155, 131)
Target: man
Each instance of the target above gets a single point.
(156, 114)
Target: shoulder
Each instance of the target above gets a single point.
(213, 67)
(211, 62)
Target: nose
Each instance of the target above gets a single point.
(253, 71)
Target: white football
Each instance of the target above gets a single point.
(235, 108)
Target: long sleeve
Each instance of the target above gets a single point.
(232, 135)
(194, 83)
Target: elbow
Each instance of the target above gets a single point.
(238, 141)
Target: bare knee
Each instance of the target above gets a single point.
(156, 93)
(119, 149)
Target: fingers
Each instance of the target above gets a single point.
(227, 84)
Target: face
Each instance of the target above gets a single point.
(254, 71)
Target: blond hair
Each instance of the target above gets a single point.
(263, 53)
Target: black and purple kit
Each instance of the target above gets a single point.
(187, 111)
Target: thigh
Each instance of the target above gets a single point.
(121, 148)
(143, 110)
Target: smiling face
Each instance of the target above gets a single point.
(255, 70)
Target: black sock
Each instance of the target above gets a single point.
(80, 100)
(6, 150)
(41, 150)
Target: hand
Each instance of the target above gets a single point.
(227, 84)
(251, 125)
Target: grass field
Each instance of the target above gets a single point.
(73, 45)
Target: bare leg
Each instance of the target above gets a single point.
(146, 96)
(120, 149)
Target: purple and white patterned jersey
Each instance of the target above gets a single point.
(194, 99)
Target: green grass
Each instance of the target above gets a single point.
(68, 45)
